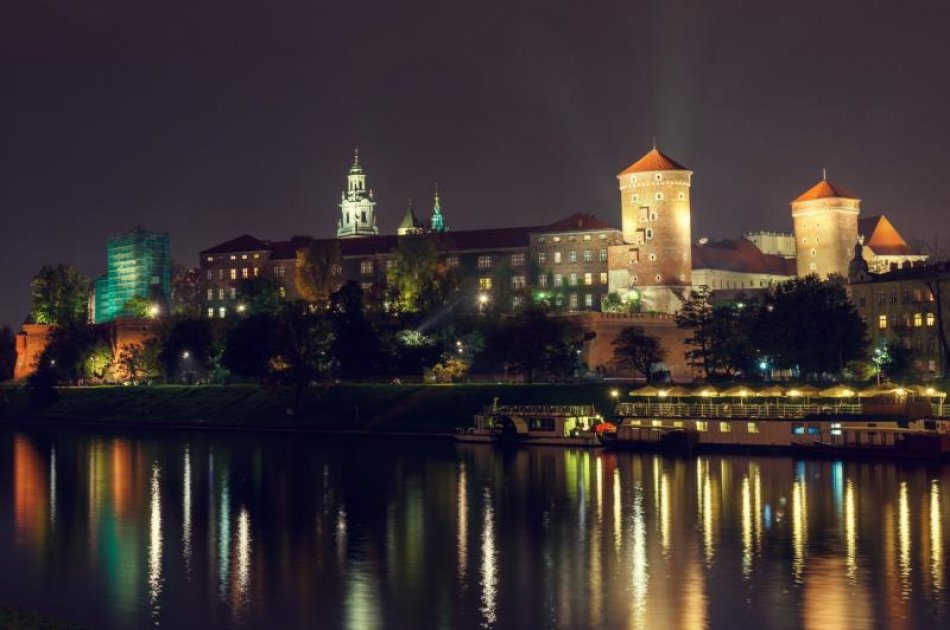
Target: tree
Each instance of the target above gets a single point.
(420, 281)
(136, 363)
(60, 295)
(356, 345)
(636, 349)
(7, 353)
(70, 345)
(137, 307)
(98, 361)
(534, 342)
(318, 271)
(935, 284)
(810, 324)
(185, 292)
(260, 295)
(696, 317)
(250, 345)
(302, 343)
(187, 348)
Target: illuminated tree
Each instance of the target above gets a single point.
(260, 295)
(136, 307)
(98, 361)
(137, 363)
(185, 291)
(318, 271)
(419, 281)
(637, 350)
(60, 295)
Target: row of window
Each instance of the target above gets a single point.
(586, 256)
(572, 279)
(917, 320)
(231, 293)
(658, 197)
(701, 425)
(571, 239)
(234, 272)
(235, 257)
(916, 296)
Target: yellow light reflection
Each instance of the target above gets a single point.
(618, 533)
(600, 489)
(489, 563)
(706, 507)
(746, 527)
(665, 513)
(936, 540)
(850, 531)
(640, 576)
(903, 539)
(29, 481)
(155, 543)
(242, 568)
(52, 487)
(462, 522)
(799, 527)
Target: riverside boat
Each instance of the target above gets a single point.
(825, 435)
(535, 425)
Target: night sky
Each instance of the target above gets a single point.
(210, 119)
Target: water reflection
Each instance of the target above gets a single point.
(134, 530)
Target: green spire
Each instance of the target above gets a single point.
(438, 220)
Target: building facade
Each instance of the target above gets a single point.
(825, 221)
(357, 206)
(908, 306)
(138, 267)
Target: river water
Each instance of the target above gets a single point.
(182, 529)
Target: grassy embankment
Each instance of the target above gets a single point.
(384, 408)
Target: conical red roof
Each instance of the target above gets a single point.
(654, 161)
(825, 190)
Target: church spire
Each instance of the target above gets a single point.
(438, 220)
(357, 207)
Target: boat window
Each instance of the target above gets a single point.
(658, 423)
(752, 427)
(700, 425)
(836, 432)
(814, 430)
(678, 424)
(542, 424)
(725, 427)
(798, 429)
(634, 423)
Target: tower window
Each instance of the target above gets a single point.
(636, 198)
(659, 196)
(658, 278)
(681, 196)
(652, 257)
(882, 321)
(814, 252)
(658, 177)
(649, 234)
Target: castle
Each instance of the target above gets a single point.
(575, 263)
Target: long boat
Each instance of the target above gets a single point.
(534, 425)
(818, 435)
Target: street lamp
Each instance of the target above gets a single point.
(241, 308)
(615, 394)
(185, 354)
(153, 311)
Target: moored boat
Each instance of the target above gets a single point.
(536, 425)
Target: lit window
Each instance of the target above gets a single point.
(573, 280)
(233, 257)
(282, 292)
(649, 233)
(245, 273)
(752, 427)
(484, 262)
(572, 302)
(588, 279)
(234, 274)
(279, 271)
(243, 256)
(517, 260)
(232, 292)
(603, 277)
(220, 294)
(210, 258)
(518, 282)
(588, 256)
(588, 300)
(543, 280)
(701, 425)
(882, 321)
(725, 427)
(812, 266)
(918, 320)
(603, 255)
(517, 301)
(558, 280)
(366, 267)
(256, 256)
(222, 312)
(210, 294)
(931, 319)
(556, 239)
(677, 424)
(542, 258)
(573, 256)
(257, 271)
(484, 284)
(587, 237)
(210, 274)
(657, 423)
(557, 258)
(366, 286)
(210, 312)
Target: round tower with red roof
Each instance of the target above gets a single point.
(655, 259)
(826, 229)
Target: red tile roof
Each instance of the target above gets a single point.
(742, 256)
(824, 190)
(654, 161)
(882, 237)
(577, 222)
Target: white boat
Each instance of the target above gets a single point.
(534, 425)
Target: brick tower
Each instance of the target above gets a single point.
(826, 229)
(654, 262)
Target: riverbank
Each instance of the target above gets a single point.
(426, 409)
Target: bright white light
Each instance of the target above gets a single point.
(482, 298)
(185, 354)
(153, 310)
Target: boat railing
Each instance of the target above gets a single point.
(543, 410)
(731, 410)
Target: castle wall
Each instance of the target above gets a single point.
(599, 351)
(31, 341)
(825, 233)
